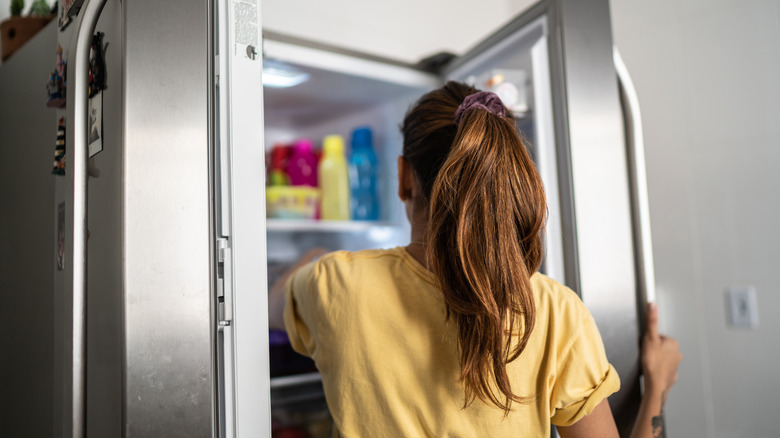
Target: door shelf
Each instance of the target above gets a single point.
(314, 226)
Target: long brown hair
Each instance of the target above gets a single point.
(486, 217)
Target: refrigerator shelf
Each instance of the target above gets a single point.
(314, 226)
(298, 392)
(295, 380)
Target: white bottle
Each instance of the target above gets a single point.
(334, 180)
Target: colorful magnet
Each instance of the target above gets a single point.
(59, 150)
(57, 83)
(65, 19)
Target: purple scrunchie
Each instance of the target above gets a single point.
(486, 100)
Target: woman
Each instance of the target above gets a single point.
(457, 334)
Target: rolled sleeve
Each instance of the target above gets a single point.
(585, 377)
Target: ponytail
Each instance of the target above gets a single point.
(487, 213)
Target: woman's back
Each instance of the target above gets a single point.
(377, 327)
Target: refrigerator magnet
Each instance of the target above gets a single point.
(64, 19)
(71, 7)
(95, 124)
(97, 65)
(97, 83)
(59, 149)
(57, 83)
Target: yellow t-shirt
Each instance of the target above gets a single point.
(375, 324)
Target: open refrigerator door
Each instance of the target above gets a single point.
(239, 246)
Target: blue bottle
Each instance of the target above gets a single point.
(363, 176)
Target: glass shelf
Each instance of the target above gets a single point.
(297, 391)
(295, 380)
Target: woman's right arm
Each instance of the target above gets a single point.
(660, 358)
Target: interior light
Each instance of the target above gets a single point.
(280, 77)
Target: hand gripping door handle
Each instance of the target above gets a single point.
(638, 170)
(91, 11)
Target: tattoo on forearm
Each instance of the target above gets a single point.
(659, 430)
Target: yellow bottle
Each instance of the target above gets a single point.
(334, 180)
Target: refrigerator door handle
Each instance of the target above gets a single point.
(91, 11)
(638, 172)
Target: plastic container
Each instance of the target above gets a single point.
(277, 175)
(302, 165)
(334, 180)
(363, 176)
(292, 202)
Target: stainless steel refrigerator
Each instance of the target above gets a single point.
(160, 316)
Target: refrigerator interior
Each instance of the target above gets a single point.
(342, 92)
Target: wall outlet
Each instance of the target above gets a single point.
(742, 307)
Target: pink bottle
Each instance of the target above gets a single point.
(302, 165)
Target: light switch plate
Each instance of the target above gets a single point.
(742, 307)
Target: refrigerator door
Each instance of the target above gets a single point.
(141, 337)
(566, 49)
(242, 298)
(169, 263)
(88, 347)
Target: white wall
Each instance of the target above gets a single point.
(706, 72)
